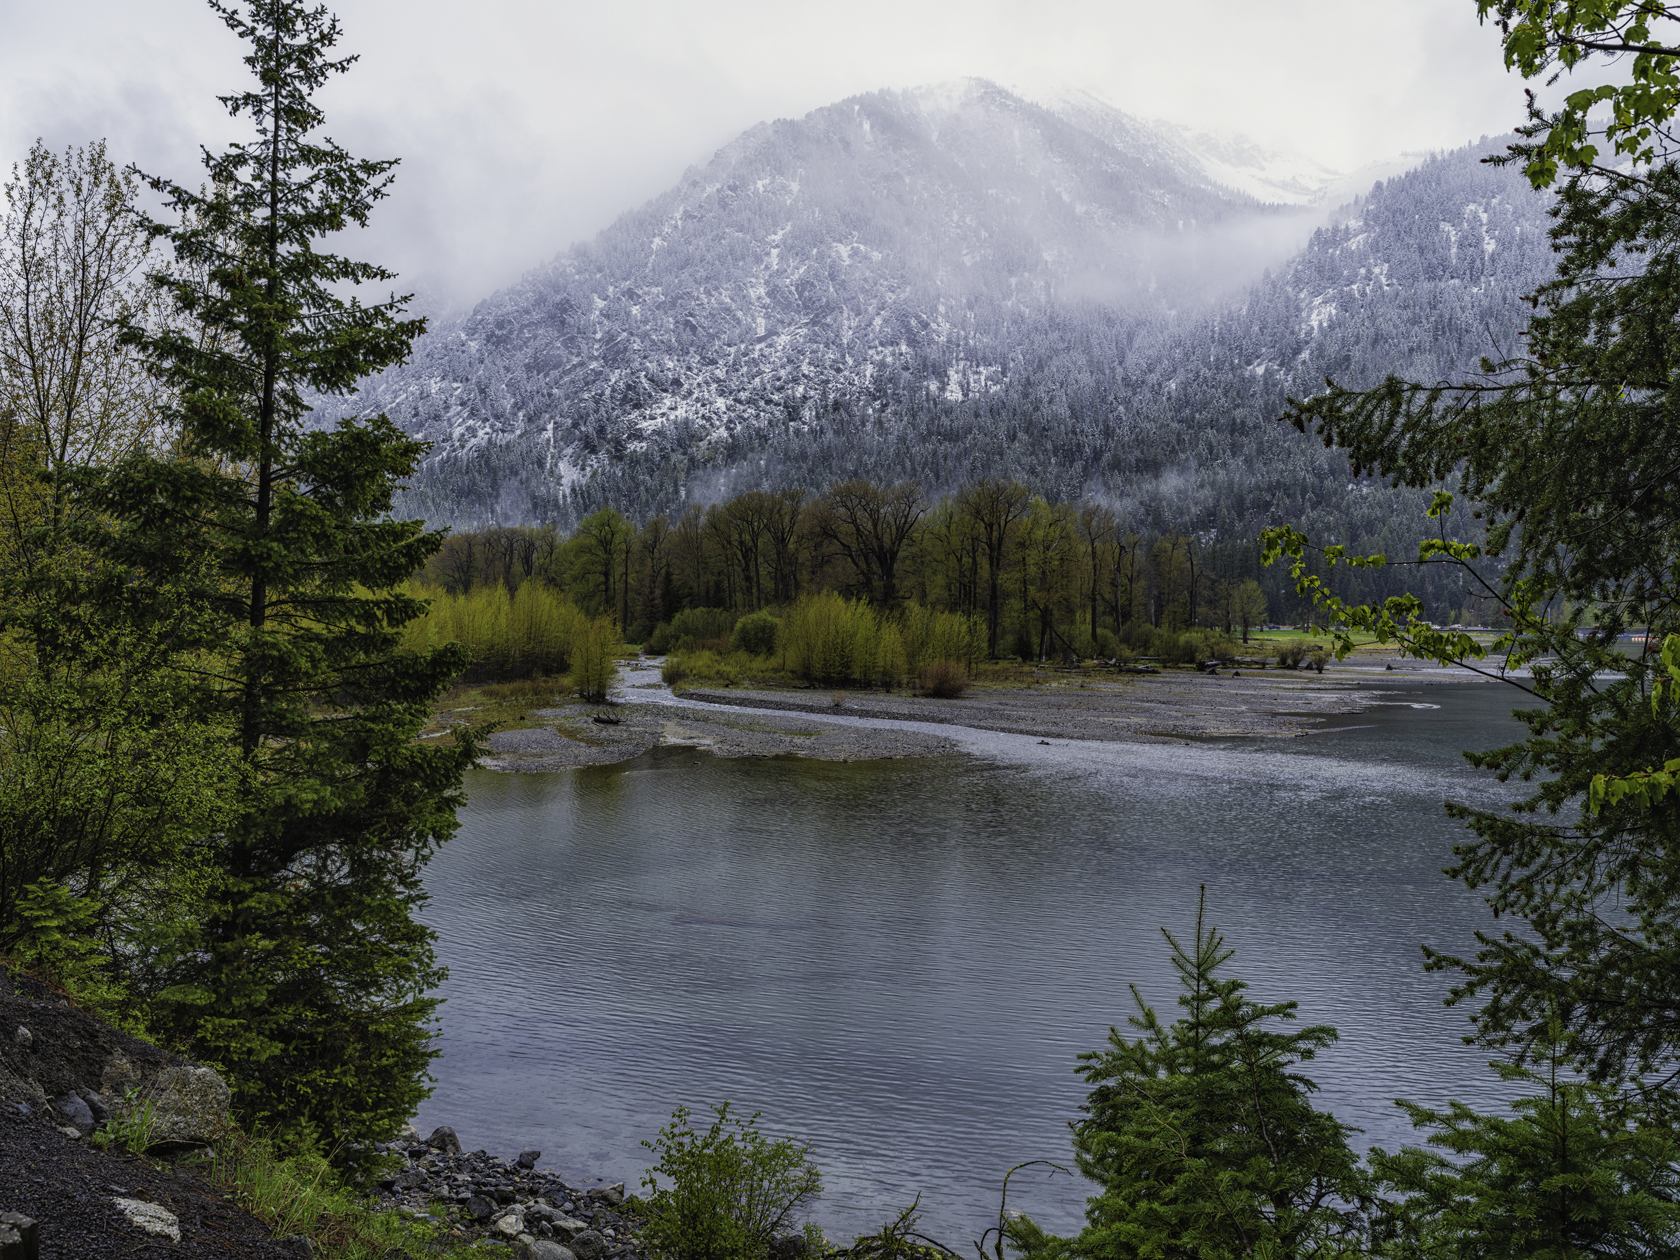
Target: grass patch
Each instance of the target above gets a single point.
(301, 1195)
(508, 704)
(705, 668)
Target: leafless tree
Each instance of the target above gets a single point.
(71, 254)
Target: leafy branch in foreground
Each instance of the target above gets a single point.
(1570, 456)
(1644, 788)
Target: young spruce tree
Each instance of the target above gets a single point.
(306, 980)
(1203, 1140)
(1567, 1176)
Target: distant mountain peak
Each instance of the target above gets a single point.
(1277, 174)
(949, 281)
(1272, 174)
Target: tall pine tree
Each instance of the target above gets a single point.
(307, 979)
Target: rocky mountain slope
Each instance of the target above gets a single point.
(955, 282)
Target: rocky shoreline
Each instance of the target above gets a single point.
(65, 1075)
(509, 1201)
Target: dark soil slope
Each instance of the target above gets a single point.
(69, 1187)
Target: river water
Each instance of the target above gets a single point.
(899, 961)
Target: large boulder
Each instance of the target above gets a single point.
(189, 1104)
(443, 1139)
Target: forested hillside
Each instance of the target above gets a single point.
(950, 286)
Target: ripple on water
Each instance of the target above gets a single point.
(899, 961)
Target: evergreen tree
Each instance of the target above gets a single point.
(307, 978)
(1565, 1178)
(1203, 1140)
(1568, 454)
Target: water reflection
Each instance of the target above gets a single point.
(899, 961)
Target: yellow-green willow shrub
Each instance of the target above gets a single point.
(542, 624)
(484, 629)
(592, 658)
(891, 663)
(529, 632)
(817, 640)
(940, 636)
(827, 639)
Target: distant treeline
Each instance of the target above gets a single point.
(1041, 579)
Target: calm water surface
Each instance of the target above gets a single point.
(898, 961)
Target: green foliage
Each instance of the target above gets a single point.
(1644, 789)
(108, 781)
(1190, 647)
(1248, 606)
(703, 667)
(931, 634)
(1201, 1138)
(58, 937)
(303, 1195)
(898, 1239)
(509, 636)
(106, 777)
(1567, 456)
(303, 975)
(594, 558)
(828, 639)
(593, 654)
(1545, 37)
(1291, 654)
(1568, 1175)
(728, 1192)
(131, 1125)
(755, 634)
(701, 625)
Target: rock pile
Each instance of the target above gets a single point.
(508, 1200)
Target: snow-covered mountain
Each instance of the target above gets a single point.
(941, 283)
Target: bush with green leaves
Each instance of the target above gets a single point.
(528, 632)
(701, 625)
(725, 1193)
(1290, 655)
(755, 634)
(593, 670)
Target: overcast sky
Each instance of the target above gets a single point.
(524, 125)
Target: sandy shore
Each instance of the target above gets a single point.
(1171, 707)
